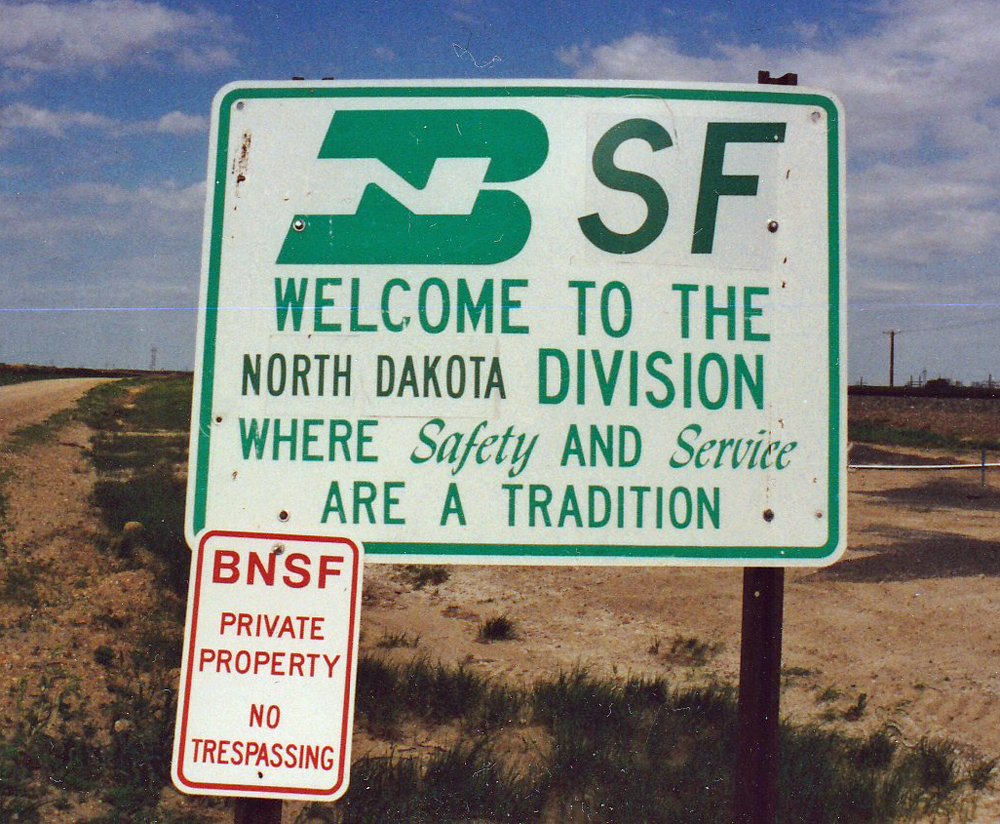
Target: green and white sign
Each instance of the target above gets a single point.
(545, 323)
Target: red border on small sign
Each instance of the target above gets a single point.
(244, 789)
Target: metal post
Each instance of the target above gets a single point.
(755, 790)
(257, 811)
(756, 782)
(983, 457)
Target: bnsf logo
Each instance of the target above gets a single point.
(513, 144)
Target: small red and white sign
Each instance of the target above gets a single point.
(266, 701)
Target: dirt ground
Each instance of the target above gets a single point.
(974, 418)
(905, 629)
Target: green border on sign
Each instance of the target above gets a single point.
(563, 551)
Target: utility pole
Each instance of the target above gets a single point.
(892, 354)
(152, 361)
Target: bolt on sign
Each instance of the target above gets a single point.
(266, 700)
(541, 323)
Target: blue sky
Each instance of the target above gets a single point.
(104, 136)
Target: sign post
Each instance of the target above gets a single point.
(257, 811)
(755, 796)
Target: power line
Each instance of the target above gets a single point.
(962, 325)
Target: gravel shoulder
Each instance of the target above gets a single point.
(22, 404)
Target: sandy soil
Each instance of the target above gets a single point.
(909, 619)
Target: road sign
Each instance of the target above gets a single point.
(528, 323)
(266, 699)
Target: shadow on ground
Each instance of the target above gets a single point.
(940, 493)
(914, 555)
(863, 453)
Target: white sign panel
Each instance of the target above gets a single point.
(529, 323)
(266, 699)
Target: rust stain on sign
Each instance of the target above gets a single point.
(242, 161)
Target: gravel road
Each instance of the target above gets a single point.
(22, 404)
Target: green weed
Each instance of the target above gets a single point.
(118, 452)
(19, 800)
(102, 407)
(159, 647)
(137, 764)
(466, 782)
(48, 738)
(875, 751)
(38, 433)
(435, 693)
(155, 498)
(164, 404)
(981, 773)
(882, 432)
(629, 750)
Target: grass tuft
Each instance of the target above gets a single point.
(104, 656)
(496, 628)
(692, 652)
(398, 640)
(420, 575)
(981, 773)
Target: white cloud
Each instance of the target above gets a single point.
(26, 118)
(22, 117)
(384, 53)
(167, 197)
(920, 92)
(177, 123)
(104, 210)
(40, 37)
(918, 213)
